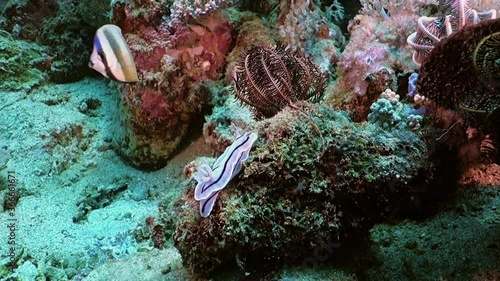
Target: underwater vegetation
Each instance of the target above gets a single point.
(289, 197)
(60, 28)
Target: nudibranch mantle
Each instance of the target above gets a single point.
(212, 180)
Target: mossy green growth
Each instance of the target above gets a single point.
(459, 243)
(18, 64)
(296, 191)
(96, 12)
(69, 40)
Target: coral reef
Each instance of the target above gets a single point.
(264, 7)
(200, 48)
(172, 61)
(451, 79)
(64, 34)
(95, 13)
(299, 23)
(58, 25)
(152, 122)
(370, 193)
(22, 64)
(308, 26)
(183, 11)
(226, 112)
(286, 201)
(25, 19)
(387, 8)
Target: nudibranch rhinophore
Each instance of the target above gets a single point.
(111, 56)
(214, 179)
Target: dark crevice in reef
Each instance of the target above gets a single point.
(196, 125)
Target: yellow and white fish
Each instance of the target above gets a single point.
(111, 56)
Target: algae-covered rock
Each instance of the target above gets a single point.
(173, 64)
(69, 40)
(95, 12)
(459, 243)
(21, 63)
(296, 191)
(218, 130)
(24, 18)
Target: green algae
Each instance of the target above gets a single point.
(20, 64)
(69, 40)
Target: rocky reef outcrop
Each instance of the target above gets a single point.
(292, 195)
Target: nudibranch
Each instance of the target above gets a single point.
(111, 56)
(213, 179)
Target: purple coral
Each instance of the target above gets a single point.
(412, 84)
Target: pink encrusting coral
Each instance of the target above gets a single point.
(171, 59)
(154, 42)
(154, 106)
(358, 65)
(455, 14)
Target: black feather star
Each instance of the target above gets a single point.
(270, 78)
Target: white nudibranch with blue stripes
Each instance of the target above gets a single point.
(213, 179)
(111, 56)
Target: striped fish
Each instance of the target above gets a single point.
(212, 180)
(111, 56)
